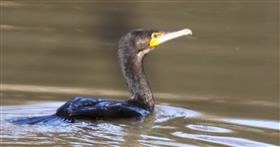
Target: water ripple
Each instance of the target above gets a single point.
(229, 141)
(207, 128)
(267, 124)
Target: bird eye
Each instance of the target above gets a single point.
(155, 35)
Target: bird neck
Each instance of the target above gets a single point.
(136, 80)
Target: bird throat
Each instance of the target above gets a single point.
(136, 80)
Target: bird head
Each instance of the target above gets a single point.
(140, 42)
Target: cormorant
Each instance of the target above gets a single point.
(131, 51)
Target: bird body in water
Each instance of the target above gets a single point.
(131, 51)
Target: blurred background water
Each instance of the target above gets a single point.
(218, 87)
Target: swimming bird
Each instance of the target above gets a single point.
(131, 52)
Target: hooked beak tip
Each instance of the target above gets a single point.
(187, 31)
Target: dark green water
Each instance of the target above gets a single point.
(219, 87)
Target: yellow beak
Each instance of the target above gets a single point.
(155, 41)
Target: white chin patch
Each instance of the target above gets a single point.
(143, 52)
